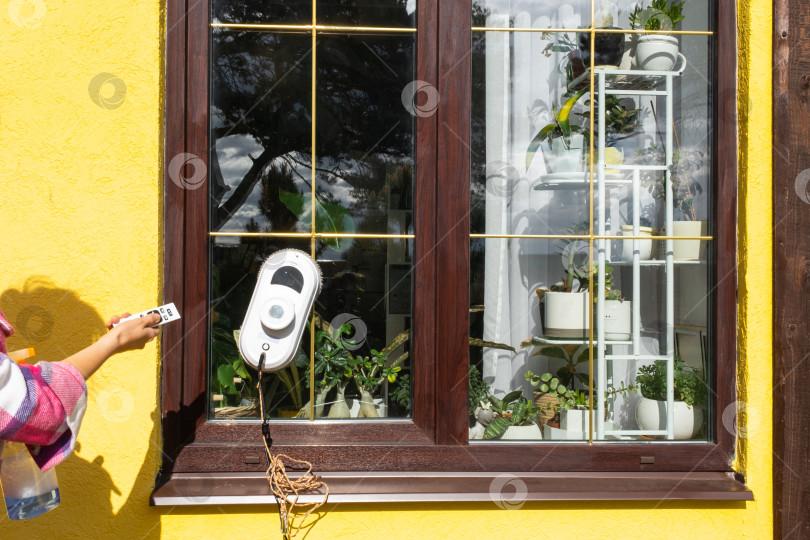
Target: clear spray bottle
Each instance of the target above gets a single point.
(27, 491)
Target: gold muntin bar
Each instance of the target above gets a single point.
(316, 27)
(597, 30)
(586, 237)
(311, 235)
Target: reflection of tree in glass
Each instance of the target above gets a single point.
(262, 90)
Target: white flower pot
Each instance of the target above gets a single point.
(618, 320)
(656, 52)
(575, 420)
(566, 314)
(644, 246)
(689, 250)
(652, 415)
(567, 159)
(522, 433)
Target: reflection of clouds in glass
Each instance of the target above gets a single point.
(233, 153)
(234, 163)
(571, 14)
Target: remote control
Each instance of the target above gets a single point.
(285, 291)
(167, 312)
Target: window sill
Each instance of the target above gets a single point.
(373, 487)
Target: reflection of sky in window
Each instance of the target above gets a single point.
(233, 153)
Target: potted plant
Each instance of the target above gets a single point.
(572, 355)
(515, 418)
(332, 367)
(559, 407)
(566, 140)
(645, 245)
(689, 394)
(621, 123)
(617, 312)
(565, 304)
(574, 411)
(684, 170)
(576, 59)
(368, 373)
(609, 46)
(571, 63)
(659, 51)
(547, 396)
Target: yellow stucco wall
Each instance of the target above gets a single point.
(80, 209)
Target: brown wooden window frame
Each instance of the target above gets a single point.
(435, 439)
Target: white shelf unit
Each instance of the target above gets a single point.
(628, 83)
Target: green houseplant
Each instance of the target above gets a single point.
(689, 395)
(566, 139)
(567, 316)
(549, 395)
(513, 411)
(332, 370)
(573, 356)
(621, 122)
(656, 51)
(368, 373)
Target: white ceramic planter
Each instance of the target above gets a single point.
(575, 420)
(570, 159)
(644, 245)
(566, 314)
(522, 433)
(689, 250)
(618, 320)
(652, 415)
(656, 52)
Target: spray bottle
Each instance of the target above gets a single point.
(28, 492)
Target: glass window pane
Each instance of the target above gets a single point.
(376, 13)
(610, 174)
(530, 14)
(260, 128)
(232, 392)
(366, 291)
(365, 136)
(262, 182)
(261, 12)
(367, 287)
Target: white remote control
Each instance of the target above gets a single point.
(288, 283)
(167, 312)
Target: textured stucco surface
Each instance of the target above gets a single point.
(81, 205)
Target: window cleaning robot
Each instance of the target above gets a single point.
(285, 292)
(288, 283)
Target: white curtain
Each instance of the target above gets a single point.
(516, 74)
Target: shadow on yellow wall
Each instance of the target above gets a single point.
(57, 323)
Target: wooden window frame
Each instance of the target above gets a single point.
(192, 445)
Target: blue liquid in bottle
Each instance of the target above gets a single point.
(28, 492)
(31, 507)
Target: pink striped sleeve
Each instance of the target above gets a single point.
(42, 405)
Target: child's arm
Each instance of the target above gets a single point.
(126, 336)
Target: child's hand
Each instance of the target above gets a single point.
(134, 334)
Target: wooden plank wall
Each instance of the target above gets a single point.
(791, 257)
